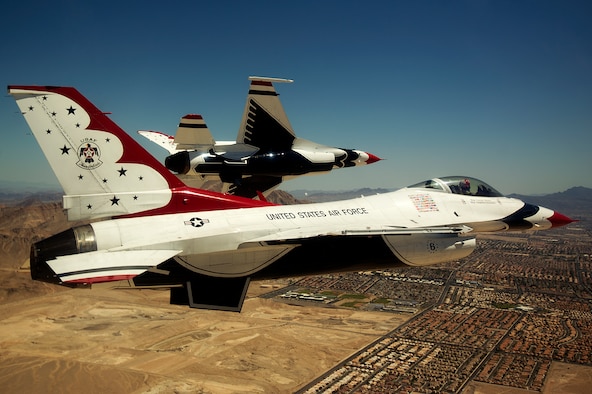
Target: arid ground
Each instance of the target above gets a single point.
(54, 339)
(124, 341)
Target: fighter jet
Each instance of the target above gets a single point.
(207, 246)
(266, 151)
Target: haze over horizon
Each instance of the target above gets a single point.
(500, 91)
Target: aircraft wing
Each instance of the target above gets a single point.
(251, 186)
(264, 123)
(256, 254)
(200, 181)
(108, 265)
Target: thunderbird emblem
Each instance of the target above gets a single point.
(89, 156)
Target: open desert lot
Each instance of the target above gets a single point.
(124, 341)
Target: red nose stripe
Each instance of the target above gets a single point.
(372, 158)
(558, 220)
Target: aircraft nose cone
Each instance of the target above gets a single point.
(372, 158)
(558, 220)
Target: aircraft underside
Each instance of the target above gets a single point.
(315, 256)
(312, 257)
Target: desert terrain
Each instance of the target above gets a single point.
(126, 341)
(54, 339)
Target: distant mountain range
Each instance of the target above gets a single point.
(15, 192)
(7, 197)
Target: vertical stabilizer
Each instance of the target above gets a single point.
(264, 123)
(194, 134)
(103, 171)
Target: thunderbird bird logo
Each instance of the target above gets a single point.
(88, 156)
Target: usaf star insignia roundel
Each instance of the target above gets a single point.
(196, 222)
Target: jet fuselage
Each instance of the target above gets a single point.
(415, 214)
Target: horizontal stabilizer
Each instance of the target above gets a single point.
(103, 266)
(163, 140)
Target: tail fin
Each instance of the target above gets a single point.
(103, 171)
(194, 134)
(264, 123)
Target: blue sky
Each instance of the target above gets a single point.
(498, 90)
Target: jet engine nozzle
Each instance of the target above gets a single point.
(72, 241)
(179, 162)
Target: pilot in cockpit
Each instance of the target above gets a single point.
(465, 186)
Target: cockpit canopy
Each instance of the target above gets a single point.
(459, 185)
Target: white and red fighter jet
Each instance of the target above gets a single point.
(207, 246)
(265, 154)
